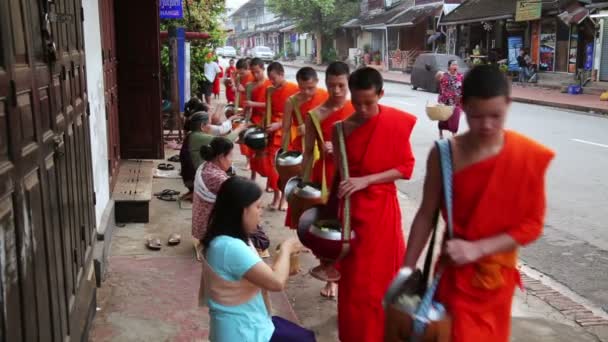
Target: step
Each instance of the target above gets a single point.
(133, 191)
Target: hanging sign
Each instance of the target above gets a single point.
(528, 10)
(171, 9)
(514, 43)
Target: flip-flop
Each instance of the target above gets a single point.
(174, 239)
(165, 167)
(168, 192)
(154, 244)
(174, 159)
(167, 198)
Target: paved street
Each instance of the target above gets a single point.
(574, 248)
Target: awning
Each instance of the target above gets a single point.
(414, 15)
(288, 28)
(377, 21)
(574, 14)
(473, 11)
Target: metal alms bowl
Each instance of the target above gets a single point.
(307, 190)
(291, 185)
(256, 138)
(328, 230)
(406, 282)
(289, 158)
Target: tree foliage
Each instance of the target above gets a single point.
(199, 16)
(322, 17)
(316, 15)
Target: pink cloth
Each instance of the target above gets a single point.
(213, 177)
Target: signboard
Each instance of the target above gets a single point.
(514, 44)
(171, 9)
(528, 10)
(187, 89)
(589, 57)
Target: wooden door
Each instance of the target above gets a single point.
(138, 53)
(110, 72)
(46, 191)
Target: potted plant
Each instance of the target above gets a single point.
(366, 54)
(377, 58)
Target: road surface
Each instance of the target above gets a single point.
(574, 247)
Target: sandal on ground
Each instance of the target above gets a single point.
(321, 274)
(168, 192)
(154, 244)
(174, 239)
(174, 159)
(167, 198)
(165, 167)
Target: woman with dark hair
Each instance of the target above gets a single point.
(234, 275)
(209, 177)
(450, 91)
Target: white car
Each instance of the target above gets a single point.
(262, 52)
(229, 51)
(219, 51)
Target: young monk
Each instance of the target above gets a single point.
(296, 112)
(308, 98)
(263, 161)
(337, 108)
(243, 77)
(283, 90)
(379, 153)
(499, 205)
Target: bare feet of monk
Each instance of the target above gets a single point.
(276, 201)
(330, 290)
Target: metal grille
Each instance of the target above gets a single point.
(604, 61)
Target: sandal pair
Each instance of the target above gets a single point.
(165, 167)
(155, 244)
(167, 195)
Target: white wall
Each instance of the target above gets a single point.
(95, 88)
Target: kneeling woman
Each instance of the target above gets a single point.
(234, 276)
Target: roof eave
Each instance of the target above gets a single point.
(475, 20)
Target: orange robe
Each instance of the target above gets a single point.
(487, 202)
(248, 78)
(317, 99)
(279, 98)
(327, 128)
(380, 144)
(263, 161)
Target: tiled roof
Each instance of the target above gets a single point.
(415, 14)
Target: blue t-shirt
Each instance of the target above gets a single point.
(231, 258)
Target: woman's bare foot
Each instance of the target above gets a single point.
(330, 290)
(197, 249)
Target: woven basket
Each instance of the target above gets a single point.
(439, 112)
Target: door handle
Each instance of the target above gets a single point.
(58, 145)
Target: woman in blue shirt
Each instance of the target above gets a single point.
(234, 276)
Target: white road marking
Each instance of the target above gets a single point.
(590, 143)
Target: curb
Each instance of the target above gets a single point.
(602, 111)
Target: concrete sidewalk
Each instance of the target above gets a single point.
(525, 94)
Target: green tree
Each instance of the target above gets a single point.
(322, 17)
(199, 16)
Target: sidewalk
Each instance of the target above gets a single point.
(152, 295)
(525, 94)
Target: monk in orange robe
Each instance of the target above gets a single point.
(308, 98)
(319, 133)
(243, 77)
(499, 205)
(263, 161)
(379, 153)
(282, 91)
(297, 108)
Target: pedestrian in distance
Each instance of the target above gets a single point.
(450, 90)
